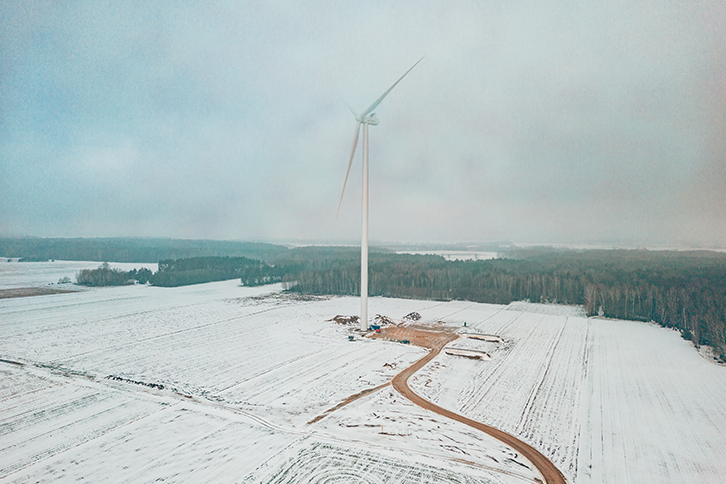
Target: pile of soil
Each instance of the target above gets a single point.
(340, 319)
(384, 320)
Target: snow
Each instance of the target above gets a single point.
(556, 309)
(71, 430)
(243, 370)
(272, 354)
(607, 401)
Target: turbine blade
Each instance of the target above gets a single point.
(349, 106)
(378, 101)
(350, 162)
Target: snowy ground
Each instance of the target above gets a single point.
(608, 401)
(228, 377)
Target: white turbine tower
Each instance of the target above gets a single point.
(367, 117)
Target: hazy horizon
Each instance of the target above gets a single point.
(536, 123)
(412, 245)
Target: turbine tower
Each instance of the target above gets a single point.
(366, 118)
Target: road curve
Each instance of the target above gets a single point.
(549, 472)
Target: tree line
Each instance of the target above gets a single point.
(105, 275)
(682, 290)
(183, 272)
(196, 270)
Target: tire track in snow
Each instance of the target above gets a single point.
(495, 374)
(531, 400)
(77, 440)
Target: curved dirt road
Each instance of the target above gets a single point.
(551, 474)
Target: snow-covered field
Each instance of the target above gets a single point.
(216, 383)
(607, 401)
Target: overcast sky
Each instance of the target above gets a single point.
(541, 122)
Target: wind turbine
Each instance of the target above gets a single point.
(366, 118)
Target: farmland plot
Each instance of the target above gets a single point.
(606, 401)
(208, 383)
(58, 428)
(273, 354)
(217, 382)
(316, 462)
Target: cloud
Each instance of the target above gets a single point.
(531, 121)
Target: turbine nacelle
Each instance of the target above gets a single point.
(371, 119)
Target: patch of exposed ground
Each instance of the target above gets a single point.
(32, 291)
(418, 337)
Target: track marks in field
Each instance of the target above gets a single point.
(43, 423)
(169, 334)
(652, 410)
(324, 463)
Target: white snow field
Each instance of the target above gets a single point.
(607, 401)
(217, 383)
(209, 383)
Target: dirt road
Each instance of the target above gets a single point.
(436, 340)
(551, 474)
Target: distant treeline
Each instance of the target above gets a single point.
(106, 275)
(183, 272)
(131, 249)
(153, 250)
(683, 290)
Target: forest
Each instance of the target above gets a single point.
(196, 270)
